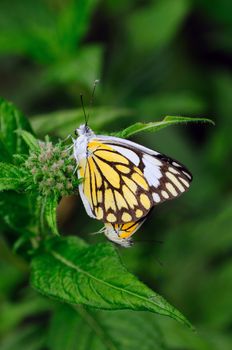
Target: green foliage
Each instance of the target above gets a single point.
(51, 203)
(44, 172)
(155, 126)
(10, 121)
(30, 140)
(11, 177)
(73, 277)
(65, 121)
(103, 330)
(162, 20)
(48, 32)
(154, 58)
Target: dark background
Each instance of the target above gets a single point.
(154, 58)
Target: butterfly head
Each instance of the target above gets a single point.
(85, 130)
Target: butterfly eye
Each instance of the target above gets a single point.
(76, 132)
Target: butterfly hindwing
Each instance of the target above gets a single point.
(116, 190)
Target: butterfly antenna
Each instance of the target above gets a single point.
(92, 96)
(83, 108)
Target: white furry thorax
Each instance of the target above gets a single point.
(81, 142)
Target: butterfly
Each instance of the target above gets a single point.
(122, 180)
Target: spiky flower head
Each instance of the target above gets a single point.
(53, 169)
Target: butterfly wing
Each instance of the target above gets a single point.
(114, 189)
(167, 178)
(123, 180)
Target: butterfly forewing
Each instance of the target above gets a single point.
(124, 180)
(166, 177)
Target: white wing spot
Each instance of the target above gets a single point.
(151, 170)
(151, 159)
(176, 164)
(175, 181)
(187, 174)
(171, 189)
(184, 181)
(156, 197)
(174, 171)
(165, 194)
(132, 156)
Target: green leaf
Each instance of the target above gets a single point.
(10, 121)
(103, 330)
(49, 32)
(178, 337)
(29, 139)
(11, 177)
(155, 126)
(46, 213)
(162, 20)
(94, 276)
(5, 156)
(62, 123)
(15, 210)
(50, 213)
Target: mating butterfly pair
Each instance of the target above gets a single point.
(123, 181)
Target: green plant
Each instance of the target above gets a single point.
(34, 176)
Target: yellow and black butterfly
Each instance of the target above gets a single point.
(122, 180)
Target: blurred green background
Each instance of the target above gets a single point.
(154, 58)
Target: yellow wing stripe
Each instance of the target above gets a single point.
(109, 173)
(109, 200)
(131, 184)
(99, 213)
(87, 189)
(123, 169)
(111, 156)
(140, 180)
(93, 183)
(121, 203)
(96, 172)
(99, 196)
(94, 145)
(130, 197)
